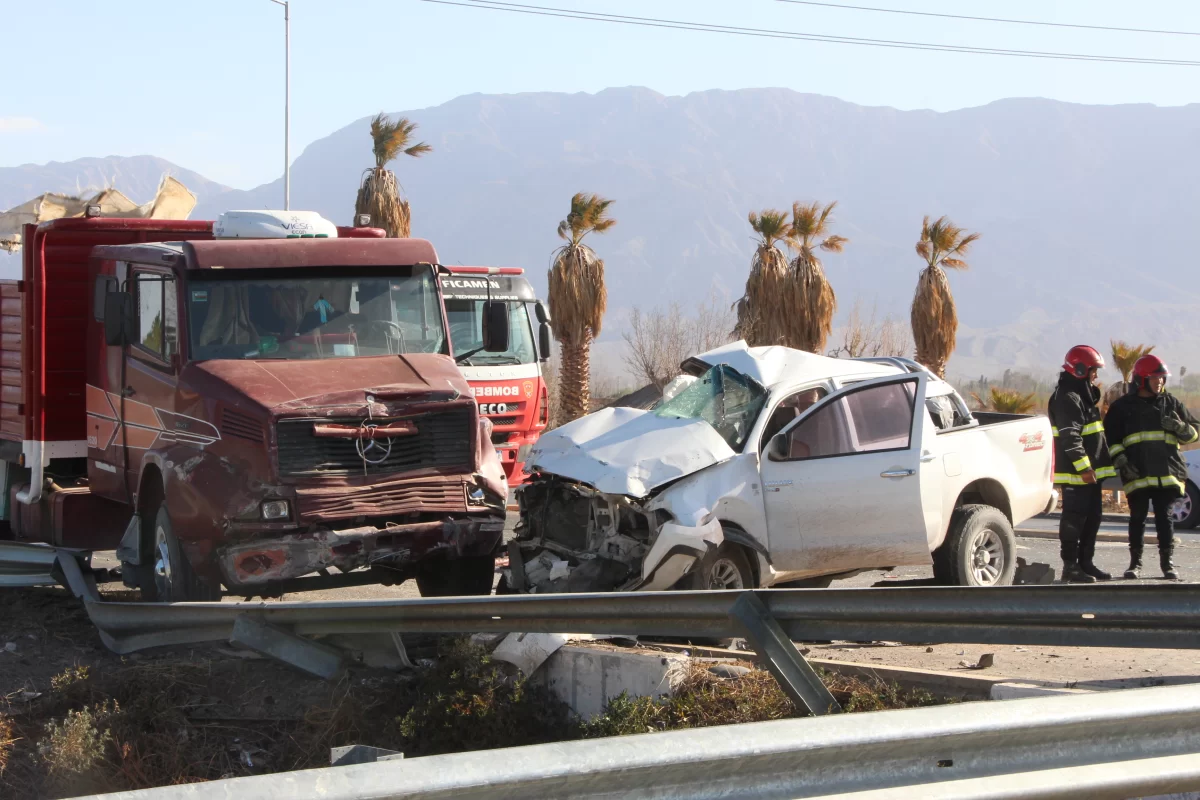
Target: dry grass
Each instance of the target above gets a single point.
(145, 725)
(703, 700)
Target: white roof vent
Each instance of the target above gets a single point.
(273, 225)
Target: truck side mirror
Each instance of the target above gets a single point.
(777, 448)
(544, 341)
(119, 318)
(495, 326)
(539, 311)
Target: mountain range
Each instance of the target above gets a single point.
(1087, 213)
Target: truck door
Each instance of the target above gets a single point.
(145, 402)
(842, 483)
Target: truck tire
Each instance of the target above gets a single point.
(457, 577)
(980, 549)
(173, 578)
(1186, 510)
(723, 568)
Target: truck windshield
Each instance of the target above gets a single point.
(724, 398)
(263, 314)
(466, 333)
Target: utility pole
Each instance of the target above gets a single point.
(287, 101)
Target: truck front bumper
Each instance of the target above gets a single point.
(262, 561)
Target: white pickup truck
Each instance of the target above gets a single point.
(777, 467)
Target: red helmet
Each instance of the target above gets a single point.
(1147, 367)
(1082, 358)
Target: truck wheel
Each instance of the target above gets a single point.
(457, 577)
(174, 580)
(723, 568)
(980, 549)
(1186, 510)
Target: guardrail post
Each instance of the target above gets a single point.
(304, 654)
(796, 676)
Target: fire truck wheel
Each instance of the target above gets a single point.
(458, 577)
(174, 580)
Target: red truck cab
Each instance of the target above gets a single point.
(509, 386)
(246, 411)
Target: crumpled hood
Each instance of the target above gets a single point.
(292, 383)
(628, 451)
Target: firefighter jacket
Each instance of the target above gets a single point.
(1136, 426)
(1079, 443)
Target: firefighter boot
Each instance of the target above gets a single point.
(1087, 551)
(1169, 570)
(1135, 564)
(1072, 573)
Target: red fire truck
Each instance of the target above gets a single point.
(245, 403)
(508, 386)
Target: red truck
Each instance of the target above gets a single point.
(508, 386)
(230, 409)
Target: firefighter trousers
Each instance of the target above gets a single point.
(1081, 516)
(1139, 508)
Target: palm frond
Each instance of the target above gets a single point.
(588, 214)
(390, 138)
(1126, 355)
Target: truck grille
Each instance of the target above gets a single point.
(443, 439)
(438, 495)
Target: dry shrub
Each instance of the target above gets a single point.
(73, 748)
(470, 702)
(8, 741)
(703, 699)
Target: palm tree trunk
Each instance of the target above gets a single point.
(576, 392)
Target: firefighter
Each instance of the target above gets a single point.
(1081, 462)
(1147, 426)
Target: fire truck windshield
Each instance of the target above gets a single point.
(252, 314)
(466, 332)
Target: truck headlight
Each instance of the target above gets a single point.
(275, 509)
(475, 496)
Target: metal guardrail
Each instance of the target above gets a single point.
(770, 620)
(1133, 743)
(23, 564)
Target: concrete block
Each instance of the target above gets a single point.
(586, 678)
(1016, 691)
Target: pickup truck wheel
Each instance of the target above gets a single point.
(723, 568)
(1186, 510)
(174, 579)
(456, 577)
(980, 549)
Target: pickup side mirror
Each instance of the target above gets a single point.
(120, 319)
(544, 341)
(777, 448)
(495, 326)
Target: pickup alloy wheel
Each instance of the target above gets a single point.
(1186, 510)
(724, 568)
(980, 549)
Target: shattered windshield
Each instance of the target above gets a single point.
(316, 313)
(724, 398)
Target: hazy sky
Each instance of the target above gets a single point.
(201, 83)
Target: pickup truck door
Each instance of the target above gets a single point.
(842, 484)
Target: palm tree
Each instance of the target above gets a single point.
(1125, 356)
(578, 299)
(934, 319)
(813, 300)
(762, 312)
(379, 193)
(1006, 401)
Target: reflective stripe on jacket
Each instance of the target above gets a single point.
(1079, 434)
(1136, 426)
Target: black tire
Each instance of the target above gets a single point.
(458, 577)
(1186, 510)
(724, 568)
(980, 549)
(170, 572)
